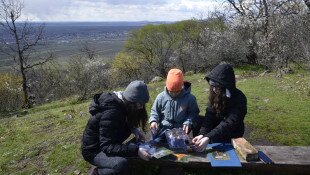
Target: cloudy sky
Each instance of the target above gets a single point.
(116, 10)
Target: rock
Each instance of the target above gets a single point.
(69, 117)
(159, 89)
(287, 71)
(281, 72)
(263, 74)
(241, 81)
(24, 112)
(189, 73)
(156, 79)
(237, 76)
(279, 75)
(82, 114)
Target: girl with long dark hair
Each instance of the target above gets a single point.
(226, 109)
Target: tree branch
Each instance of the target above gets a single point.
(233, 3)
(50, 57)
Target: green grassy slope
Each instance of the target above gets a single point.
(47, 139)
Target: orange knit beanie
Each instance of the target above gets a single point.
(174, 80)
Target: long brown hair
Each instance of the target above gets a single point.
(136, 117)
(218, 101)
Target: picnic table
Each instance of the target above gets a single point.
(287, 159)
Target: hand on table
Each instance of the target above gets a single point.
(201, 142)
(143, 154)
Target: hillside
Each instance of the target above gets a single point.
(46, 139)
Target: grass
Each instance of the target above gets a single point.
(46, 139)
(278, 109)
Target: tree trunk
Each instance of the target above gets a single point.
(25, 89)
(252, 56)
(21, 64)
(24, 82)
(266, 24)
(163, 72)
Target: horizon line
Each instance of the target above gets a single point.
(96, 21)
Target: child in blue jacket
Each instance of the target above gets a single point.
(175, 107)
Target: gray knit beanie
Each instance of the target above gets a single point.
(137, 92)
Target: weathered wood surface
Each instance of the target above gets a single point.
(287, 159)
(295, 155)
(245, 149)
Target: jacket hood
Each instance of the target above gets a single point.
(105, 101)
(223, 74)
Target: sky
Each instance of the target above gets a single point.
(116, 10)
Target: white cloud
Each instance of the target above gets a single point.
(115, 10)
(136, 2)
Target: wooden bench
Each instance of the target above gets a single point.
(287, 159)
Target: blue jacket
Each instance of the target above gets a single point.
(174, 113)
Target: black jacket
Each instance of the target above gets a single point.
(229, 123)
(107, 128)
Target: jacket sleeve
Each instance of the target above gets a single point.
(107, 136)
(208, 122)
(193, 111)
(228, 124)
(156, 110)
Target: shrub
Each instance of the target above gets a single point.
(10, 92)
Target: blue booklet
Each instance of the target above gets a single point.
(223, 155)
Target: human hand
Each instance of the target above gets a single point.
(140, 136)
(143, 154)
(186, 128)
(202, 143)
(153, 127)
(197, 138)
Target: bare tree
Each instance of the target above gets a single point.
(20, 41)
(88, 51)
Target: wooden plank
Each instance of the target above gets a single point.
(245, 149)
(279, 154)
(287, 160)
(294, 155)
(170, 170)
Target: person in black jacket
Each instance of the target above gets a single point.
(114, 117)
(226, 109)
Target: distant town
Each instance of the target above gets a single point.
(65, 39)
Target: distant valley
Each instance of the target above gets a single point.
(66, 39)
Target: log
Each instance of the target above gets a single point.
(245, 149)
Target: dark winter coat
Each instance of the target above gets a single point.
(229, 123)
(107, 128)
